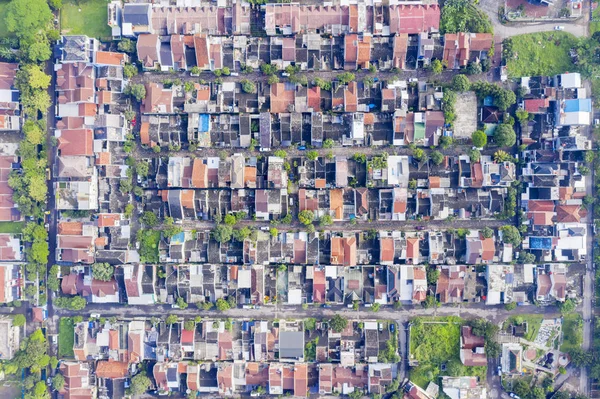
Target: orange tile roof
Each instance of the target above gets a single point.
(70, 228)
(320, 183)
(281, 98)
(108, 219)
(199, 174)
(369, 119)
(103, 158)
(111, 369)
(336, 202)
(187, 198)
(145, 133)
(110, 58)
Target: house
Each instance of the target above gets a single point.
(472, 352)
(400, 49)
(148, 50)
(573, 112)
(511, 359)
(451, 284)
(463, 388)
(10, 282)
(357, 51)
(9, 98)
(500, 279)
(343, 251)
(139, 284)
(288, 19)
(414, 19)
(551, 283)
(291, 345)
(282, 97)
(158, 100)
(462, 48)
(136, 19)
(78, 383)
(406, 283)
(480, 249)
(166, 376)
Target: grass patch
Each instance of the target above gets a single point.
(595, 22)
(533, 321)
(544, 53)
(435, 344)
(572, 332)
(91, 21)
(11, 227)
(66, 337)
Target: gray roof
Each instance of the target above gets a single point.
(136, 14)
(291, 344)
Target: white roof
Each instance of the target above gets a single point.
(570, 80)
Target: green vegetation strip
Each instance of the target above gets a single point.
(11, 227)
(572, 332)
(533, 321)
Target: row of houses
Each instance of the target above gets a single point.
(235, 18)
(231, 357)
(312, 51)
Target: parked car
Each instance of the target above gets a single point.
(392, 327)
(559, 27)
(420, 227)
(326, 306)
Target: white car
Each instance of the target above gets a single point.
(559, 27)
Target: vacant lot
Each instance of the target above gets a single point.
(87, 17)
(66, 337)
(11, 227)
(545, 53)
(572, 332)
(466, 115)
(435, 344)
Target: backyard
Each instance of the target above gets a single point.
(595, 22)
(572, 332)
(545, 53)
(89, 17)
(435, 345)
(66, 337)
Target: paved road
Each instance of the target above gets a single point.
(408, 225)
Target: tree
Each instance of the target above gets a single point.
(306, 217)
(268, 69)
(77, 303)
(346, 77)
(504, 135)
(19, 320)
(487, 232)
(33, 132)
(273, 79)
(32, 76)
(510, 306)
(328, 143)
(312, 155)
(230, 219)
(140, 383)
(149, 219)
(461, 83)
(474, 68)
(432, 275)
(326, 220)
(222, 305)
(437, 67)
(39, 252)
(310, 324)
(103, 271)
(525, 257)
(130, 71)
(273, 232)
(474, 155)
(437, 157)
(27, 18)
(222, 233)
(137, 91)
(58, 382)
(181, 303)
(338, 323)
(35, 101)
(248, 86)
(171, 319)
(446, 141)
(39, 51)
(567, 306)
(126, 46)
(375, 307)
(479, 138)
(418, 154)
(241, 234)
(510, 234)
(55, 4)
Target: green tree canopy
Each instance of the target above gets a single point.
(27, 18)
(479, 138)
(222, 233)
(306, 217)
(504, 135)
(140, 383)
(103, 271)
(510, 234)
(461, 83)
(338, 323)
(19, 320)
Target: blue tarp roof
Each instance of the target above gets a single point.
(578, 105)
